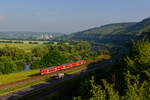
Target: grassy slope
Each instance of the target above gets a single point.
(21, 86)
(17, 76)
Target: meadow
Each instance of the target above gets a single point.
(8, 78)
(26, 45)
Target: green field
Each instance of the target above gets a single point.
(25, 41)
(24, 46)
(4, 79)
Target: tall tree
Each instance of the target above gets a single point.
(53, 58)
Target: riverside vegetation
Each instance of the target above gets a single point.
(13, 59)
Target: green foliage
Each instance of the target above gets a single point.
(12, 59)
(136, 89)
(141, 52)
(131, 80)
(53, 58)
(85, 88)
(83, 48)
(61, 53)
(40, 52)
(97, 92)
(74, 57)
(7, 65)
(139, 60)
(48, 56)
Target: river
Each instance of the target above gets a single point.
(27, 68)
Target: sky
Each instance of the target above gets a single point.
(68, 16)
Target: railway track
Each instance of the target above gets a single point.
(38, 77)
(46, 92)
(20, 93)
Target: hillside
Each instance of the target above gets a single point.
(117, 33)
(106, 29)
(138, 28)
(104, 34)
(112, 29)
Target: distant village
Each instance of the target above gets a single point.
(45, 36)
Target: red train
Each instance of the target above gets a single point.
(60, 67)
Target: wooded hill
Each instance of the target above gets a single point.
(117, 33)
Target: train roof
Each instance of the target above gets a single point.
(51, 67)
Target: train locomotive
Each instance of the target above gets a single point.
(60, 67)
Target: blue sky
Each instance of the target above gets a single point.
(68, 15)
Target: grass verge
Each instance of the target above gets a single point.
(22, 86)
(76, 70)
(4, 79)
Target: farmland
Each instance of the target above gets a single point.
(26, 45)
